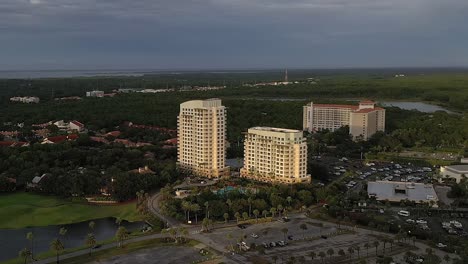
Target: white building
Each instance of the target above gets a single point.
(201, 131)
(400, 191)
(275, 155)
(95, 94)
(454, 172)
(26, 99)
(364, 120)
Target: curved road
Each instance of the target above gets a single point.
(153, 205)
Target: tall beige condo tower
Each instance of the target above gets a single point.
(201, 127)
(364, 120)
(275, 155)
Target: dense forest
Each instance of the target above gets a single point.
(277, 106)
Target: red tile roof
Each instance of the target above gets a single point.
(114, 133)
(367, 110)
(13, 144)
(367, 102)
(77, 123)
(58, 139)
(99, 139)
(172, 141)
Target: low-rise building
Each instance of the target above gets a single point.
(454, 173)
(25, 99)
(400, 191)
(95, 94)
(275, 155)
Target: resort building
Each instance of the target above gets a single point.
(202, 138)
(275, 155)
(454, 173)
(364, 120)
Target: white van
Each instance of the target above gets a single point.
(403, 213)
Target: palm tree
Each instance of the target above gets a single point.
(249, 200)
(205, 224)
(265, 213)
(322, 255)
(30, 237)
(121, 235)
(90, 242)
(376, 245)
(289, 200)
(91, 225)
(429, 251)
(207, 213)
(226, 217)
(229, 237)
(196, 208)
(330, 252)
(273, 212)
(351, 251)
(245, 216)
(118, 221)
(256, 213)
(184, 205)
(358, 249)
(341, 252)
(303, 226)
(279, 208)
(447, 258)
(25, 254)
(237, 215)
(229, 203)
(367, 246)
(63, 232)
(184, 233)
(285, 232)
(312, 255)
(57, 246)
(173, 233)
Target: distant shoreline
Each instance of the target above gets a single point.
(83, 73)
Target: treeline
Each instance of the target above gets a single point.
(87, 168)
(447, 88)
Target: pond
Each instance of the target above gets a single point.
(13, 240)
(420, 106)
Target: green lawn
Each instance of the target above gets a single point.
(21, 209)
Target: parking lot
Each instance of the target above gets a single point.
(269, 232)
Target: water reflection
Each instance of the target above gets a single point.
(13, 240)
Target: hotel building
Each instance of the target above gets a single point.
(275, 155)
(202, 138)
(363, 120)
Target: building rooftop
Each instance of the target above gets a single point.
(274, 129)
(352, 107)
(458, 168)
(397, 191)
(367, 110)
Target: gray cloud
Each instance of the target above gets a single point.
(232, 33)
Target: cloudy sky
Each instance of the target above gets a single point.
(196, 34)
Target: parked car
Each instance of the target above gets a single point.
(441, 245)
